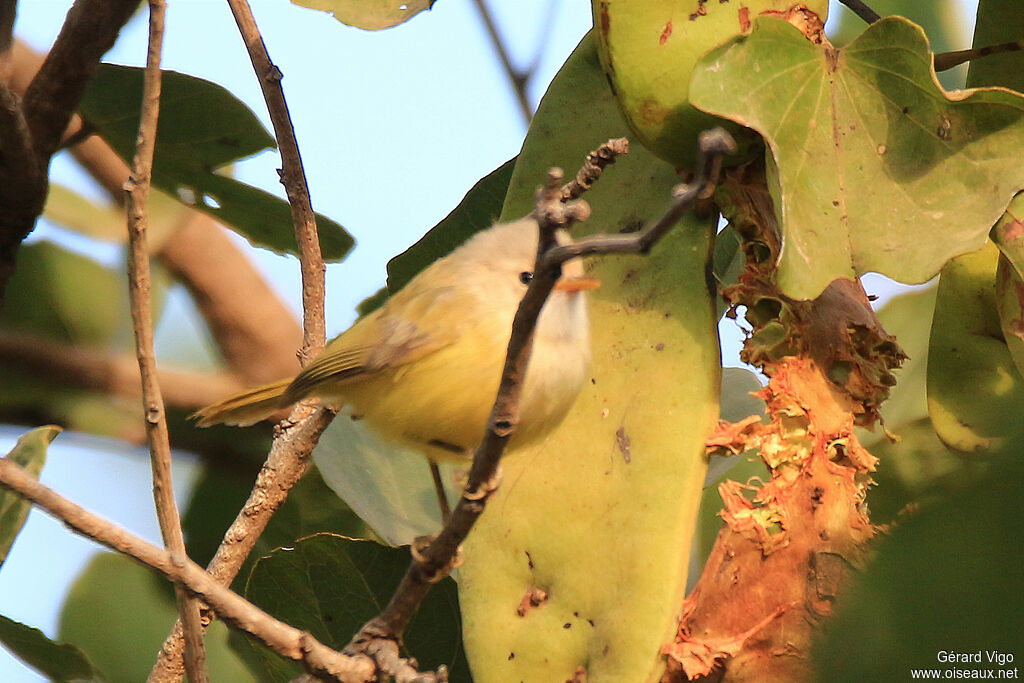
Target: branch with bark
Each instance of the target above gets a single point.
(440, 555)
(35, 126)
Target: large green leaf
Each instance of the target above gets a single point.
(118, 613)
(217, 496)
(203, 127)
(372, 15)
(330, 586)
(998, 21)
(30, 454)
(878, 168)
(58, 661)
(601, 513)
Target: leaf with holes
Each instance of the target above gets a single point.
(203, 127)
(877, 168)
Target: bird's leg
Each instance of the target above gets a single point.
(442, 499)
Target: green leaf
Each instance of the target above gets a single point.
(944, 579)
(917, 176)
(998, 21)
(975, 394)
(118, 614)
(58, 661)
(477, 211)
(387, 485)
(202, 128)
(219, 494)
(330, 586)
(30, 454)
(63, 296)
(629, 456)
(372, 15)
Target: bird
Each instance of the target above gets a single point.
(423, 369)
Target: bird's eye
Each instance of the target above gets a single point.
(525, 277)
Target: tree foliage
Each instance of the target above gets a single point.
(859, 513)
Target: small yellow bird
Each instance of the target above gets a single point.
(423, 369)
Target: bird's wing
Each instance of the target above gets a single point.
(407, 328)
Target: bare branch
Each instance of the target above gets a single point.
(593, 167)
(517, 79)
(287, 462)
(293, 177)
(89, 31)
(236, 610)
(862, 10)
(117, 375)
(139, 288)
(8, 12)
(949, 60)
(441, 555)
(22, 183)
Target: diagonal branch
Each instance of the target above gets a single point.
(288, 641)
(860, 8)
(88, 32)
(293, 177)
(433, 562)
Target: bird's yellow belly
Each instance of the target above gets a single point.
(435, 405)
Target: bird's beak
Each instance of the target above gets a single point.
(577, 284)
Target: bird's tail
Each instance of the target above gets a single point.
(244, 409)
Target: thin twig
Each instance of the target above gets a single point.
(949, 60)
(594, 165)
(862, 10)
(284, 639)
(288, 460)
(139, 287)
(517, 79)
(435, 561)
(293, 177)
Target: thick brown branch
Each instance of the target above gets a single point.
(90, 29)
(949, 60)
(140, 291)
(8, 12)
(236, 610)
(438, 558)
(117, 375)
(22, 183)
(293, 177)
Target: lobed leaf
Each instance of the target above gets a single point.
(916, 176)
